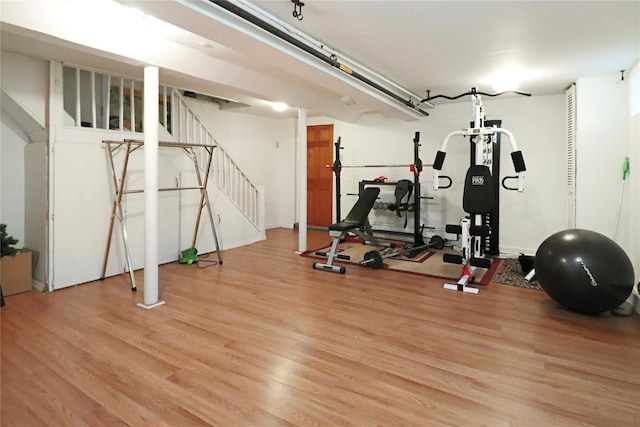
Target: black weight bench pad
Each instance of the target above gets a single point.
(478, 197)
(355, 222)
(358, 214)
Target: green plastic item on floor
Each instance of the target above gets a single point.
(189, 256)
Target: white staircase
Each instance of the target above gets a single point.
(186, 127)
(105, 102)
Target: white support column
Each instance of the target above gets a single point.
(302, 179)
(151, 117)
(56, 102)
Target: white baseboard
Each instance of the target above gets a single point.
(37, 285)
(271, 226)
(510, 250)
(243, 243)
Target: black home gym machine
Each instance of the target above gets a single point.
(356, 221)
(479, 231)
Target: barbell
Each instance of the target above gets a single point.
(375, 259)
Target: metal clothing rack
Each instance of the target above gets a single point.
(131, 145)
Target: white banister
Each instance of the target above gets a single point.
(78, 99)
(187, 127)
(121, 103)
(108, 106)
(132, 120)
(93, 99)
(179, 120)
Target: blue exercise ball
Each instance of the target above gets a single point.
(584, 271)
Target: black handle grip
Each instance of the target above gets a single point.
(447, 178)
(505, 186)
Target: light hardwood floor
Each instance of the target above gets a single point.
(266, 340)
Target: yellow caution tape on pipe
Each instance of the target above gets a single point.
(346, 69)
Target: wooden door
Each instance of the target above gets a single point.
(319, 177)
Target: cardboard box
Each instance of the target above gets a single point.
(15, 273)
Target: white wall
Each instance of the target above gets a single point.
(264, 148)
(12, 144)
(82, 205)
(35, 215)
(24, 90)
(601, 146)
(526, 219)
(633, 185)
(26, 79)
(81, 202)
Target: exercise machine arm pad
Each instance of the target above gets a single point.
(516, 157)
(439, 161)
(518, 161)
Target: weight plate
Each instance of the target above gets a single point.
(436, 242)
(373, 259)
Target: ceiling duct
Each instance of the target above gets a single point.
(236, 9)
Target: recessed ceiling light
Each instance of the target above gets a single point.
(510, 78)
(279, 106)
(505, 81)
(134, 13)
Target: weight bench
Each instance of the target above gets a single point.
(356, 222)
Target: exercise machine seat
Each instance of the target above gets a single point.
(478, 196)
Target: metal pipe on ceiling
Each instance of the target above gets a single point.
(331, 60)
(325, 49)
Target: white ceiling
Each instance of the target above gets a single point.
(446, 47)
(450, 46)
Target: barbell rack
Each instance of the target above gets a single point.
(415, 168)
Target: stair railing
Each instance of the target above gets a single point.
(185, 126)
(102, 101)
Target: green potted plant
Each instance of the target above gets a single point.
(8, 242)
(15, 265)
